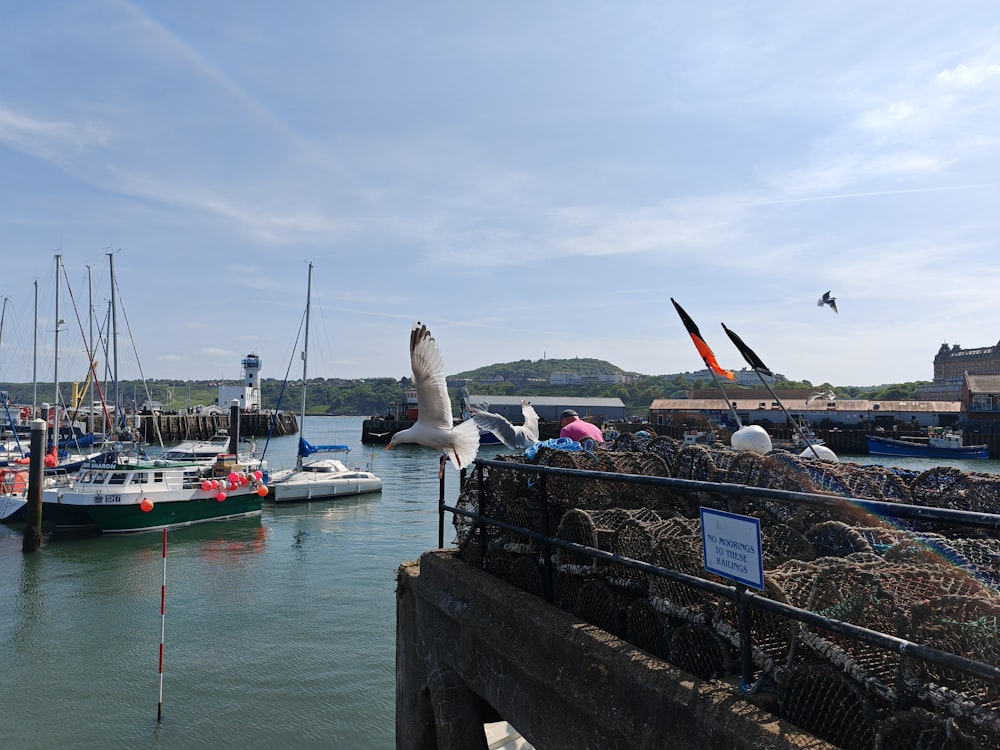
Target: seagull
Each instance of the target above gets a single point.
(517, 438)
(828, 395)
(435, 427)
(826, 299)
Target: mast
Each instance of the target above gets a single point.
(34, 361)
(305, 362)
(92, 352)
(119, 416)
(55, 376)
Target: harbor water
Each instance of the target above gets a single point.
(279, 630)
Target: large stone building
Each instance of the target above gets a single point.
(952, 363)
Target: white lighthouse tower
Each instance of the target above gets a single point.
(248, 393)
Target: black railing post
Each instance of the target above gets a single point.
(744, 617)
(482, 514)
(546, 548)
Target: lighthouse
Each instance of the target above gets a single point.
(248, 393)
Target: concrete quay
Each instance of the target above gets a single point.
(471, 649)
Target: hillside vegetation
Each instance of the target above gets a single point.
(377, 396)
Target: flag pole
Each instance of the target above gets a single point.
(758, 366)
(788, 416)
(732, 409)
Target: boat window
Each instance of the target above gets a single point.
(139, 477)
(88, 476)
(157, 476)
(118, 477)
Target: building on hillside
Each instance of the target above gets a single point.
(744, 377)
(951, 363)
(549, 408)
(572, 378)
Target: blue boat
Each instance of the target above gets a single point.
(939, 443)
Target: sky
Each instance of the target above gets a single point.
(530, 180)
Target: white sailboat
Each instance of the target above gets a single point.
(317, 478)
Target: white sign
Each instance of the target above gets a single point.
(731, 545)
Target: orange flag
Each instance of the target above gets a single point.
(700, 345)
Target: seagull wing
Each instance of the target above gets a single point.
(433, 403)
(497, 424)
(530, 429)
(832, 302)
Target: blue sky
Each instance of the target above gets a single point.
(529, 179)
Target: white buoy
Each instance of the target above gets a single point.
(822, 452)
(753, 438)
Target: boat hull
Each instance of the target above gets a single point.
(125, 519)
(12, 508)
(882, 446)
(304, 487)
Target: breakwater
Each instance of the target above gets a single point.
(175, 427)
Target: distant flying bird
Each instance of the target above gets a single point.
(515, 437)
(827, 395)
(826, 299)
(435, 427)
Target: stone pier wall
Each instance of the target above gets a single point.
(472, 649)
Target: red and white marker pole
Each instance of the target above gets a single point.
(163, 623)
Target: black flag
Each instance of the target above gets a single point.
(748, 354)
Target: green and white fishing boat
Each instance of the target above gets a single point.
(117, 493)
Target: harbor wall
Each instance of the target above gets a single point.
(471, 649)
(176, 427)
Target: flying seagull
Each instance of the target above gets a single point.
(827, 395)
(435, 427)
(826, 299)
(517, 438)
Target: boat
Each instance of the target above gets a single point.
(13, 493)
(317, 478)
(203, 451)
(940, 442)
(120, 493)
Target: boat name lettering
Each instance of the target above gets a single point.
(99, 466)
(103, 499)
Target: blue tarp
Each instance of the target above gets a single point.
(307, 449)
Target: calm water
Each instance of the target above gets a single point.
(280, 631)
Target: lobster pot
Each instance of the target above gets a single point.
(699, 650)
(918, 728)
(526, 574)
(646, 628)
(824, 701)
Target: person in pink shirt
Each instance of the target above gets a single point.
(576, 429)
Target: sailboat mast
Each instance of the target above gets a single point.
(34, 361)
(305, 347)
(55, 376)
(119, 423)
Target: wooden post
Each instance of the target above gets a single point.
(32, 541)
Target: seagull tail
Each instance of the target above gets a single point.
(465, 444)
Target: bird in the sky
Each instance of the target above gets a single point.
(513, 436)
(826, 299)
(435, 427)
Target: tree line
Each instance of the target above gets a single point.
(381, 396)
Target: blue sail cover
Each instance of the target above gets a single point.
(307, 449)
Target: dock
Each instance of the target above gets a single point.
(176, 427)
